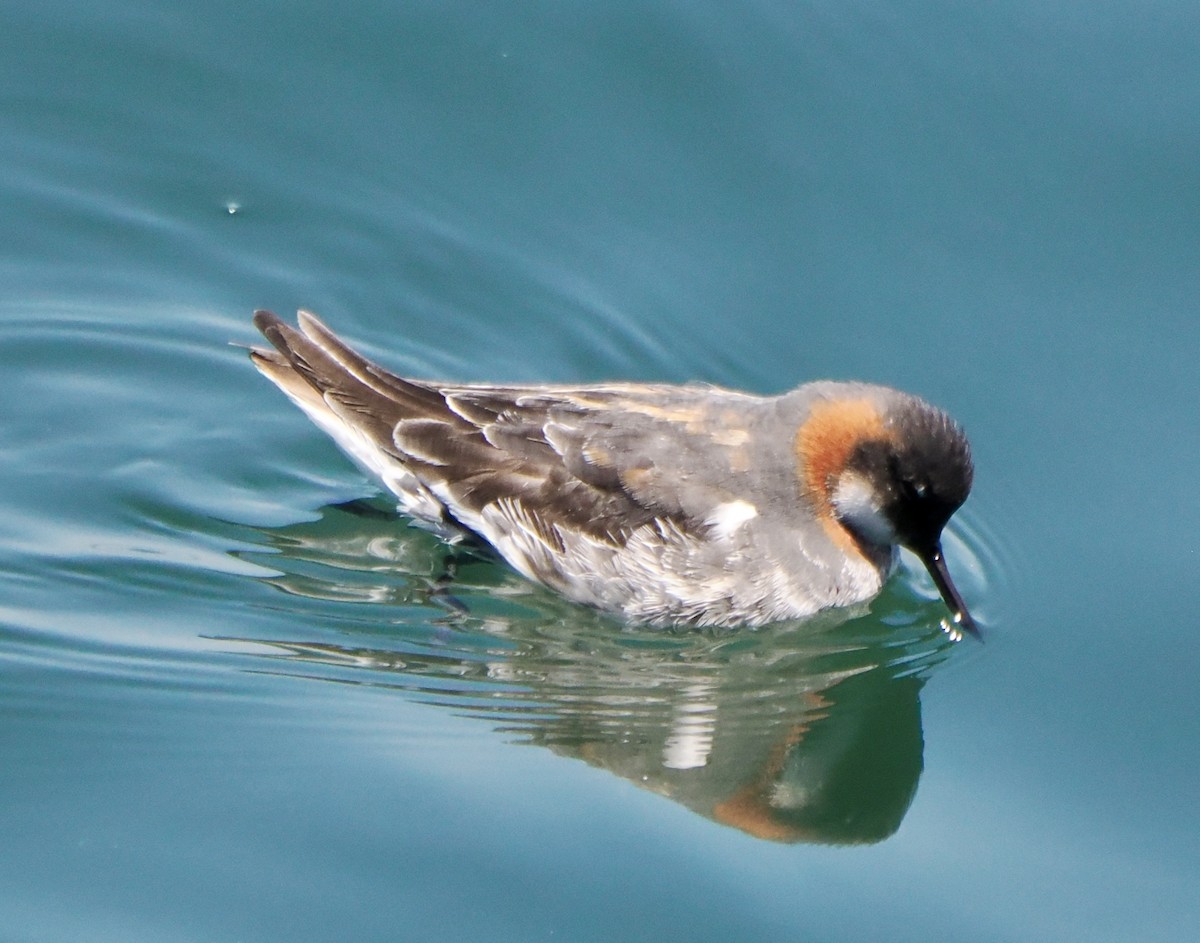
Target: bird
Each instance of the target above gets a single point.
(661, 504)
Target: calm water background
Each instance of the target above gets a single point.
(236, 702)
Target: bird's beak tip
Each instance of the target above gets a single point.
(961, 623)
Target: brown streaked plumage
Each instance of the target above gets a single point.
(665, 504)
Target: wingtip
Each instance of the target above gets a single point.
(307, 319)
(264, 319)
(317, 330)
(261, 356)
(282, 335)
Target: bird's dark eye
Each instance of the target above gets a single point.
(914, 490)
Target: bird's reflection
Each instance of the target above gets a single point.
(797, 732)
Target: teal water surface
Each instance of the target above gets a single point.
(240, 699)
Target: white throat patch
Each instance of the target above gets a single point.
(856, 504)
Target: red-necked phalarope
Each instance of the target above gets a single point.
(666, 504)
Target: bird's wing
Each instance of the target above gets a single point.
(600, 460)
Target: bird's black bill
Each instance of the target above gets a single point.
(935, 563)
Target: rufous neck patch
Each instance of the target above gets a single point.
(824, 443)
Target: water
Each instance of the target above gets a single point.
(239, 698)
